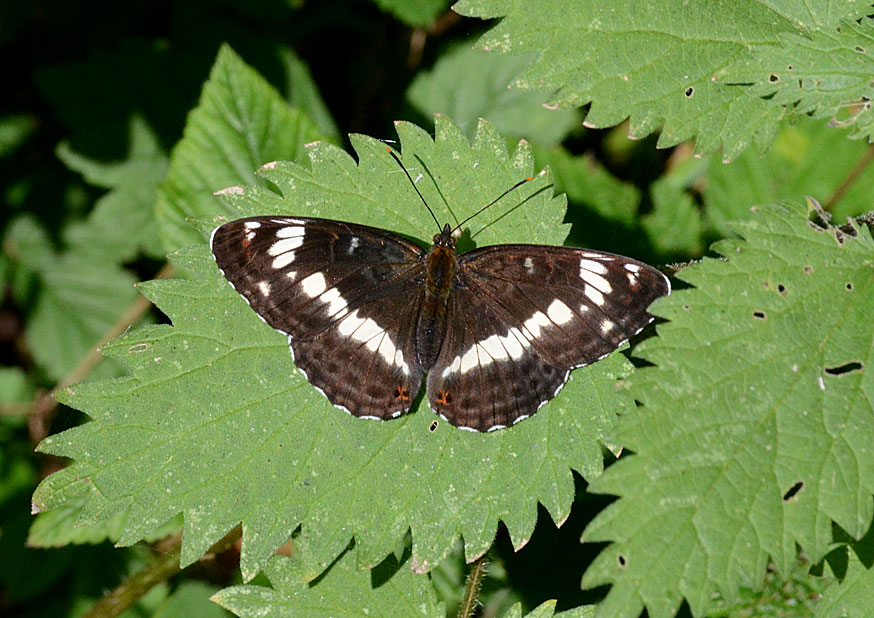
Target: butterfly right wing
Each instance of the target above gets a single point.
(346, 296)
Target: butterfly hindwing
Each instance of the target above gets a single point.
(343, 293)
(523, 316)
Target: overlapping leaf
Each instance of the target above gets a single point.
(826, 73)
(654, 63)
(757, 421)
(241, 123)
(216, 423)
(466, 85)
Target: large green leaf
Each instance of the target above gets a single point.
(654, 63)
(240, 123)
(215, 422)
(756, 428)
(466, 85)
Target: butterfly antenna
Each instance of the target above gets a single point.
(412, 182)
(494, 201)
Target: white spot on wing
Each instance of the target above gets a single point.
(559, 313)
(353, 245)
(529, 265)
(592, 266)
(594, 295)
(534, 323)
(252, 225)
(283, 260)
(314, 285)
(285, 245)
(264, 288)
(607, 326)
(291, 231)
(632, 268)
(596, 281)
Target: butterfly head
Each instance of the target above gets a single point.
(445, 239)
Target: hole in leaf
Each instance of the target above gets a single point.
(622, 561)
(860, 50)
(849, 287)
(686, 307)
(760, 315)
(789, 67)
(781, 288)
(793, 491)
(434, 426)
(839, 370)
(689, 92)
(773, 78)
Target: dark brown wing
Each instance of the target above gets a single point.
(525, 315)
(343, 293)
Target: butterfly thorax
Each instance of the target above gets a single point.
(440, 274)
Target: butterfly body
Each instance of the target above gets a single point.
(369, 313)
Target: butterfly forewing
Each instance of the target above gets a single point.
(523, 316)
(334, 289)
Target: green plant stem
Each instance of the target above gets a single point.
(42, 409)
(853, 175)
(162, 568)
(470, 600)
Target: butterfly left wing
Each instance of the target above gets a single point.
(524, 316)
(343, 293)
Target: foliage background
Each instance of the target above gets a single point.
(97, 183)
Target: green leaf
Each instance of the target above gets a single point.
(58, 527)
(390, 589)
(652, 62)
(79, 296)
(15, 129)
(191, 598)
(122, 222)
(755, 431)
(466, 85)
(825, 72)
(854, 594)
(241, 123)
(808, 158)
(216, 423)
(417, 13)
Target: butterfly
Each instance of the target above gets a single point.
(494, 332)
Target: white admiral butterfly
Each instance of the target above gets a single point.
(368, 313)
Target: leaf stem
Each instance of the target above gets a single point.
(853, 175)
(162, 568)
(470, 600)
(41, 410)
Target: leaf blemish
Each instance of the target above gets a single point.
(808, 270)
(840, 370)
(793, 491)
(138, 347)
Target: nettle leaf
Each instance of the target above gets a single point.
(390, 589)
(652, 63)
(216, 423)
(826, 72)
(853, 595)
(756, 425)
(240, 123)
(466, 85)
